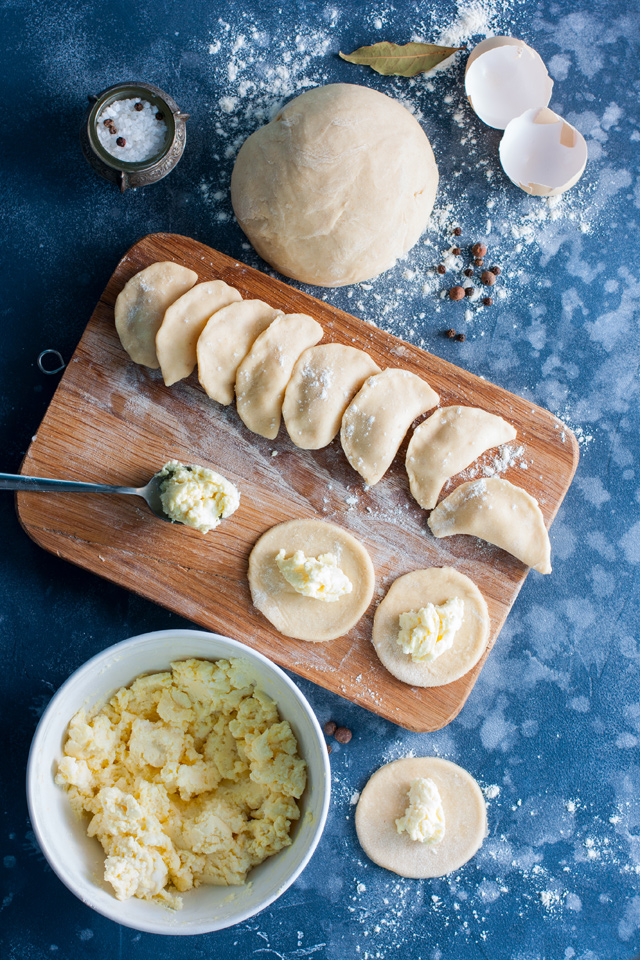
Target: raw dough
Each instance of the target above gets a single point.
(337, 187)
(385, 799)
(183, 323)
(304, 617)
(141, 306)
(266, 370)
(446, 443)
(225, 342)
(376, 420)
(325, 380)
(413, 591)
(500, 513)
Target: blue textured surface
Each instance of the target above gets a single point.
(551, 729)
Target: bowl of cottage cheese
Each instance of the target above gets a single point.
(178, 782)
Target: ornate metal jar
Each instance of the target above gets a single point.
(143, 172)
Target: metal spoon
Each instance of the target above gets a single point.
(149, 493)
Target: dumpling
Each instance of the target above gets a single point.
(266, 370)
(377, 419)
(141, 306)
(183, 323)
(325, 380)
(447, 443)
(500, 513)
(225, 342)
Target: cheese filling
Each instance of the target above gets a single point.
(424, 817)
(197, 496)
(427, 633)
(318, 577)
(188, 776)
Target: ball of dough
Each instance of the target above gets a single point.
(336, 187)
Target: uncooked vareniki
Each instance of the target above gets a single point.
(325, 380)
(141, 306)
(378, 417)
(225, 342)
(500, 513)
(446, 443)
(183, 323)
(266, 370)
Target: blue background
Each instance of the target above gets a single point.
(551, 729)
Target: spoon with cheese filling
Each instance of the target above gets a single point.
(195, 496)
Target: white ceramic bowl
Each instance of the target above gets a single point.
(79, 860)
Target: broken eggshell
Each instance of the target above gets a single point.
(542, 153)
(503, 78)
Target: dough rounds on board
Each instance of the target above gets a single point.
(415, 590)
(306, 618)
(337, 187)
(385, 799)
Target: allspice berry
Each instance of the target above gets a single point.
(450, 333)
(479, 249)
(330, 728)
(441, 268)
(457, 231)
(478, 261)
(457, 293)
(455, 251)
(460, 337)
(488, 278)
(343, 735)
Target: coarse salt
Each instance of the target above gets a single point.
(144, 135)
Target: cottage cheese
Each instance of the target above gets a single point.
(189, 777)
(427, 633)
(318, 577)
(424, 817)
(197, 496)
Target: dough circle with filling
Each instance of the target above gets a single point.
(385, 799)
(306, 618)
(412, 592)
(337, 187)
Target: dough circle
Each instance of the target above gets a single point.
(413, 591)
(337, 187)
(385, 799)
(305, 618)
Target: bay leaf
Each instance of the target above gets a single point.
(400, 60)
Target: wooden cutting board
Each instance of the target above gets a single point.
(115, 422)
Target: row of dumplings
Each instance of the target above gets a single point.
(274, 366)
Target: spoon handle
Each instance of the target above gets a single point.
(10, 481)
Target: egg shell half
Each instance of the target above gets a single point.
(542, 153)
(505, 77)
